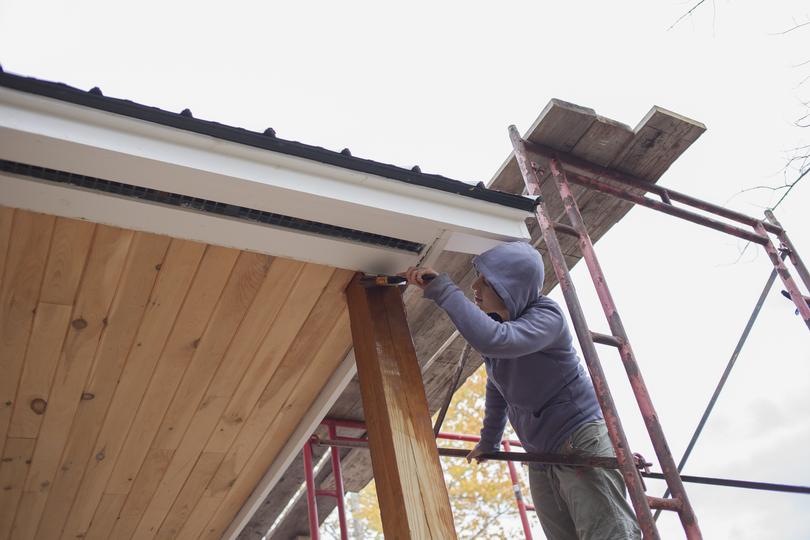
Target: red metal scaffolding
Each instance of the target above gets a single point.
(564, 167)
(336, 441)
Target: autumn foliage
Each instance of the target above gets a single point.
(481, 495)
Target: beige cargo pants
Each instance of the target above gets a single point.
(576, 503)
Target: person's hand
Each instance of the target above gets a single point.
(416, 275)
(474, 455)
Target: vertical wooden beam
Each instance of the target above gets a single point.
(410, 485)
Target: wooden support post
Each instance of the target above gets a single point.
(410, 485)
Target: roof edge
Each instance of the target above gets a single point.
(184, 121)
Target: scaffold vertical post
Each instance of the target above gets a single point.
(309, 480)
(792, 254)
(338, 475)
(513, 477)
(784, 274)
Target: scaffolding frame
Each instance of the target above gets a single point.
(335, 442)
(564, 167)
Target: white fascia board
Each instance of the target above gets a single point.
(64, 136)
(72, 202)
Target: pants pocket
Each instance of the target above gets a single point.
(591, 440)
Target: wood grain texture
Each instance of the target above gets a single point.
(6, 225)
(410, 486)
(313, 375)
(173, 281)
(188, 498)
(108, 510)
(247, 275)
(120, 326)
(13, 470)
(299, 304)
(271, 299)
(50, 326)
(155, 464)
(197, 521)
(100, 280)
(22, 277)
(182, 345)
(66, 260)
(69, 246)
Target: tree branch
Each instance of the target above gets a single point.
(796, 26)
(685, 15)
(790, 187)
(488, 522)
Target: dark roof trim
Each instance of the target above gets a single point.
(269, 141)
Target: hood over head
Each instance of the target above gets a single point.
(515, 271)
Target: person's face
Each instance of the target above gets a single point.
(485, 296)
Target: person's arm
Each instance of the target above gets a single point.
(531, 332)
(494, 419)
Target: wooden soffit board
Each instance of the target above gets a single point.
(148, 382)
(645, 151)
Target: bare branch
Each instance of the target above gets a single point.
(801, 64)
(488, 522)
(791, 29)
(803, 81)
(685, 15)
(792, 185)
(755, 188)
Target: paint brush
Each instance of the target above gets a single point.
(388, 281)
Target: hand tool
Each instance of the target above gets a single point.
(384, 281)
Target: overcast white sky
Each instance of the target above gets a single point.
(437, 85)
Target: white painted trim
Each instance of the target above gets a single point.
(65, 136)
(327, 397)
(72, 202)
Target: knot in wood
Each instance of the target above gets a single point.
(39, 405)
(87, 396)
(79, 324)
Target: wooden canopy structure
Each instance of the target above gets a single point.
(173, 309)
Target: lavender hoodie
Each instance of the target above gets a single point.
(534, 377)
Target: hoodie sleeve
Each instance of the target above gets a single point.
(494, 419)
(533, 331)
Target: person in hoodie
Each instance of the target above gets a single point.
(535, 380)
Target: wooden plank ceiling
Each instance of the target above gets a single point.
(148, 382)
(646, 152)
